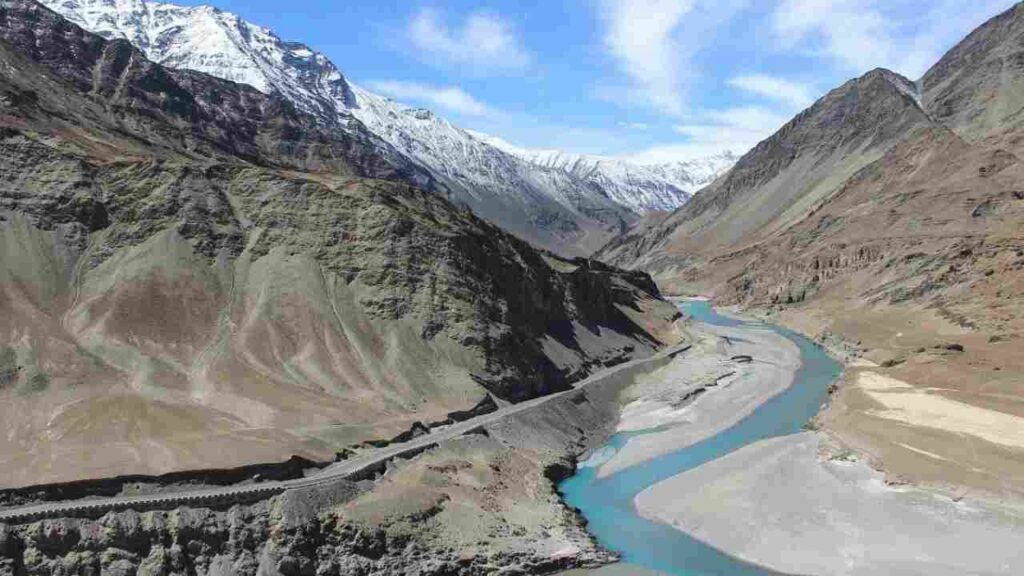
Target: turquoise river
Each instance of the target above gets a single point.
(607, 503)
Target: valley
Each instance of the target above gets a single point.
(175, 271)
(725, 501)
(257, 319)
(885, 222)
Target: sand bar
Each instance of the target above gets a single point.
(702, 392)
(779, 504)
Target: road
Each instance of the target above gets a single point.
(363, 466)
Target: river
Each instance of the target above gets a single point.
(607, 503)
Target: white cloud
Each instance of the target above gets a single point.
(852, 32)
(854, 35)
(451, 98)
(485, 43)
(793, 94)
(654, 44)
(907, 36)
(735, 130)
(640, 37)
(658, 48)
(940, 28)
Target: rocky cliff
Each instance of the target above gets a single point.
(195, 274)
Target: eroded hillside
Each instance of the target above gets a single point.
(194, 274)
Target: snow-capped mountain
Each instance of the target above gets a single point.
(642, 187)
(571, 204)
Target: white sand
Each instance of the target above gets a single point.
(921, 407)
(659, 400)
(777, 504)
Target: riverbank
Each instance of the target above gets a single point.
(728, 373)
(824, 507)
(951, 369)
(774, 406)
(819, 511)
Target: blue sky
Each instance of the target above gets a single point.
(650, 80)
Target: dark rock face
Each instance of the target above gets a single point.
(179, 252)
(293, 535)
(243, 540)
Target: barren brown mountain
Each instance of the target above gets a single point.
(888, 221)
(193, 274)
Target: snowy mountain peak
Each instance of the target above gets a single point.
(218, 43)
(565, 202)
(686, 175)
(644, 187)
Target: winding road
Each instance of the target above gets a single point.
(361, 467)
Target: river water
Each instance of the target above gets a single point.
(607, 503)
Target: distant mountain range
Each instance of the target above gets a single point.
(570, 204)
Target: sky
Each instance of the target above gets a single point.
(645, 80)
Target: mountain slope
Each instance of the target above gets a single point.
(887, 220)
(783, 177)
(195, 274)
(977, 88)
(547, 204)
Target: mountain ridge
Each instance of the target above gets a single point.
(200, 275)
(553, 207)
(801, 158)
(887, 222)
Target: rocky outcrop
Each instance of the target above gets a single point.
(190, 268)
(480, 504)
(294, 534)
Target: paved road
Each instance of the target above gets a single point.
(363, 466)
